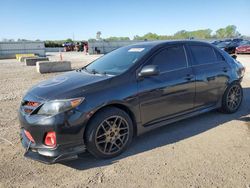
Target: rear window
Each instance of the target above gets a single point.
(203, 54)
(219, 56)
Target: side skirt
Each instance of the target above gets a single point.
(154, 125)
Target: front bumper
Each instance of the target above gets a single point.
(69, 128)
(50, 156)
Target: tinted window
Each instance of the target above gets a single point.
(203, 54)
(219, 56)
(170, 59)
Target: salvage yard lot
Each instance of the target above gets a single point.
(211, 150)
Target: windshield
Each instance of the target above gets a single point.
(118, 61)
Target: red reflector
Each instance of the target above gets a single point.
(50, 139)
(28, 135)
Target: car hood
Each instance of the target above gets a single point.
(68, 85)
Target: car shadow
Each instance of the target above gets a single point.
(169, 134)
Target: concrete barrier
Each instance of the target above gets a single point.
(18, 56)
(22, 59)
(53, 66)
(32, 61)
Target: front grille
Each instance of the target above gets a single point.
(28, 107)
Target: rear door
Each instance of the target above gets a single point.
(212, 74)
(172, 91)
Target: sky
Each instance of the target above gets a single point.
(81, 19)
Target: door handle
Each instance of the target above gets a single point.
(189, 77)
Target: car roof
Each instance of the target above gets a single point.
(166, 42)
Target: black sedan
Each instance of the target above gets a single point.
(134, 89)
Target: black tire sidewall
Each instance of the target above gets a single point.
(94, 124)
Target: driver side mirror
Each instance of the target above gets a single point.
(149, 70)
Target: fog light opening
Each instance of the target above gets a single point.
(50, 139)
(28, 135)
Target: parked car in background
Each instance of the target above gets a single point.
(222, 45)
(237, 40)
(229, 46)
(216, 42)
(244, 47)
(68, 46)
(227, 40)
(127, 92)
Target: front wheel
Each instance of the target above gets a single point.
(109, 133)
(232, 98)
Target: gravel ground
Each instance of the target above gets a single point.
(211, 150)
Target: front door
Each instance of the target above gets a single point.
(172, 91)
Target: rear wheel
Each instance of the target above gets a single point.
(232, 98)
(109, 133)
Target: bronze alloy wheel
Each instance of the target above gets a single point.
(234, 97)
(112, 135)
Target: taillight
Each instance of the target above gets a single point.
(28, 135)
(50, 139)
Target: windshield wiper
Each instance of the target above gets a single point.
(97, 72)
(103, 73)
(82, 68)
(85, 68)
(93, 71)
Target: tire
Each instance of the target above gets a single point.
(109, 133)
(232, 98)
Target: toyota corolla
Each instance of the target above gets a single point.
(102, 106)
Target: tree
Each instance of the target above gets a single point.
(228, 32)
(22, 40)
(199, 34)
(69, 40)
(92, 40)
(117, 39)
(183, 34)
(148, 36)
(8, 40)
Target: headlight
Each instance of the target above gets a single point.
(58, 106)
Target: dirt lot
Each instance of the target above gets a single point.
(211, 150)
